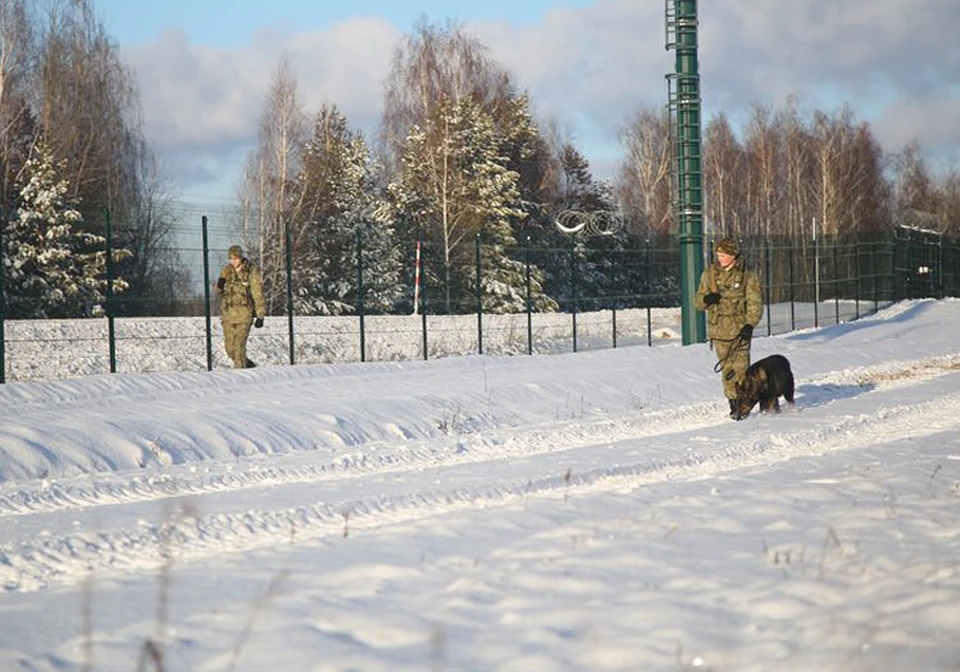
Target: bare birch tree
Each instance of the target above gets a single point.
(16, 121)
(643, 182)
(763, 147)
(268, 195)
(434, 64)
(89, 109)
(723, 173)
(798, 171)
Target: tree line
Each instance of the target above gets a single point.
(459, 156)
(72, 149)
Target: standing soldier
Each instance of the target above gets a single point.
(241, 300)
(730, 293)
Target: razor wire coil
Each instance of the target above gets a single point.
(589, 222)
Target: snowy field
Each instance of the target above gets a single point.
(595, 511)
(52, 349)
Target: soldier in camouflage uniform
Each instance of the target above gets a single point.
(730, 293)
(241, 304)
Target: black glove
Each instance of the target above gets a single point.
(746, 332)
(258, 322)
(221, 282)
(712, 298)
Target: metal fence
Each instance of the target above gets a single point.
(599, 295)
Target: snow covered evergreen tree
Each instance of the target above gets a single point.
(456, 184)
(338, 187)
(52, 268)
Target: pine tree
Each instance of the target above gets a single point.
(338, 185)
(53, 269)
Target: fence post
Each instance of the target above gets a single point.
(816, 278)
(646, 291)
(3, 301)
(529, 300)
(940, 266)
(615, 288)
(573, 287)
(836, 277)
(793, 312)
(360, 306)
(423, 293)
(896, 285)
(479, 301)
(111, 333)
(767, 263)
(856, 272)
(206, 291)
(289, 250)
(875, 268)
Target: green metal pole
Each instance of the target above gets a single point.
(479, 302)
(360, 306)
(615, 288)
(836, 278)
(856, 272)
(793, 301)
(206, 291)
(768, 288)
(896, 285)
(940, 293)
(688, 171)
(816, 280)
(423, 297)
(289, 249)
(613, 326)
(111, 333)
(529, 300)
(573, 287)
(875, 272)
(648, 297)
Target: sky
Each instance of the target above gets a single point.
(577, 511)
(203, 67)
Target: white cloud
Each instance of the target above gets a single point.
(933, 118)
(893, 61)
(201, 104)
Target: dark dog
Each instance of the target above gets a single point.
(766, 381)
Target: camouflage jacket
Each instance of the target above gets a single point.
(740, 299)
(241, 298)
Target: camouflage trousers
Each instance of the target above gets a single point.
(734, 357)
(235, 342)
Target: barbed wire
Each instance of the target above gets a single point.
(589, 222)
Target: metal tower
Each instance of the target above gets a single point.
(683, 96)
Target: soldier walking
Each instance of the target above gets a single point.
(241, 305)
(730, 293)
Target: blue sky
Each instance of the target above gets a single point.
(203, 67)
(226, 23)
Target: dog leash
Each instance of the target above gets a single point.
(738, 342)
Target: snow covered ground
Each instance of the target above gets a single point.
(49, 349)
(592, 511)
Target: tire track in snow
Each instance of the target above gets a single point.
(379, 458)
(364, 459)
(39, 562)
